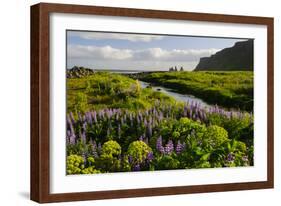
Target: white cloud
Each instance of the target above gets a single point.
(149, 54)
(129, 37)
(93, 52)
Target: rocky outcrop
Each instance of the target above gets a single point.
(236, 58)
(78, 72)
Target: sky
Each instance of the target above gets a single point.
(125, 51)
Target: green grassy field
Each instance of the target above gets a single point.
(227, 89)
(107, 90)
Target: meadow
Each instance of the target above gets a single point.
(228, 89)
(115, 125)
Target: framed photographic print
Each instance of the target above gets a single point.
(132, 102)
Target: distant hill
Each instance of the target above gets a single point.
(77, 72)
(236, 58)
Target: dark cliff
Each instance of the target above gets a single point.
(236, 58)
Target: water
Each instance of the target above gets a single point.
(177, 96)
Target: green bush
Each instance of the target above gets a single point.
(74, 164)
(215, 136)
(90, 170)
(109, 160)
(238, 128)
(138, 150)
(166, 162)
(111, 148)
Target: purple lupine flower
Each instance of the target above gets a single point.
(84, 126)
(230, 157)
(140, 116)
(130, 159)
(68, 135)
(71, 129)
(94, 148)
(150, 156)
(145, 123)
(89, 118)
(72, 136)
(159, 145)
(72, 117)
(179, 147)
(228, 115)
(94, 116)
(83, 118)
(136, 167)
(141, 138)
(109, 113)
(169, 148)
(72, 139)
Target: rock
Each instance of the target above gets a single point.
(78, 72)
(236, 58)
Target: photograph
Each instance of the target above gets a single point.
(150, 102)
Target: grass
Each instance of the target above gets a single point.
(228, 89)
(107, 90)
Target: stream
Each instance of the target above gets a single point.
(177, 96)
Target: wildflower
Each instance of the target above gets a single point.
(94, 148)
(159, 145)
(169, 148)
(136, 167)
(230, 157)
(179, 147)
(94, 114)
(150, 156)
